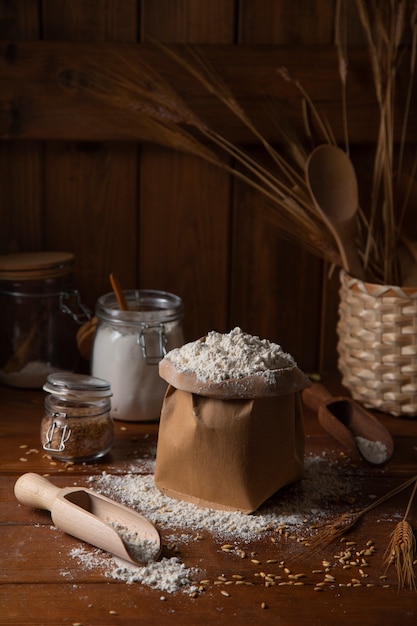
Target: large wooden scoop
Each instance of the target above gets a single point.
(332, 182)
(357, 429)
(93, 518)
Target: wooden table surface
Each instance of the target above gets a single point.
(43, 583)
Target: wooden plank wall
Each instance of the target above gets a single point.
(157, 218)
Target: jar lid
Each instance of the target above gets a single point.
(74, 386)
(35, 265)
(145, 306)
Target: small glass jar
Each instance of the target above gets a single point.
(128, 346)
(77, 425)
(41, 312)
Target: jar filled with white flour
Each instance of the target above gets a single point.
(128, 346)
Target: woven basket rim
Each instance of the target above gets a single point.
(375, 289)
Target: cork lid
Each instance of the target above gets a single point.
(35, 265)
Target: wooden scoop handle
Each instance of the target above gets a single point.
(36, 491)
(118, 291)
(316, 396)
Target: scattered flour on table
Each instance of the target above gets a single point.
(232, 355)
(168, 574)
(326, 486)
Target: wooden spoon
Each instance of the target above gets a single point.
(332, 182)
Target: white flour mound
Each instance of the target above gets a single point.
(373, 451)
(233, 355)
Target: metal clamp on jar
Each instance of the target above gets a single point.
(77, 425)
(128, 346)
(41, 311)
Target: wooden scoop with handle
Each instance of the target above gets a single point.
(346, 420)
(93, 518)
(332, 182)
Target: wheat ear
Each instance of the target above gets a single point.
(346, 521)
(400, 553)
(401, 550)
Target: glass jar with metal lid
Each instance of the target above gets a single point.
(41, 311)
(77, 425)
(128, 346)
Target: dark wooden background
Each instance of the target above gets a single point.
(72, 180)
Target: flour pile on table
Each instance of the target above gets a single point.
(168, 574)
(325, 486)
(323, 483)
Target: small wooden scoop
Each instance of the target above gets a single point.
(93, 518)
(20, 357)
(350, 424)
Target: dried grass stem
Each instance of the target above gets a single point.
(145, 100)
(346, 521)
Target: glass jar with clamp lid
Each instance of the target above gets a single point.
(77, 425)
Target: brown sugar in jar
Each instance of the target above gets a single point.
(77, 425)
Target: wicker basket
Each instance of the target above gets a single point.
(377, 345)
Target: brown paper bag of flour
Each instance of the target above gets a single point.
(228, 454)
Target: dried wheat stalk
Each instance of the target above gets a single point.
(144, 99)
(340, 41)
(160, 115)
(383, 25)
(400, 553)
(338, 527)
(401, 549)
